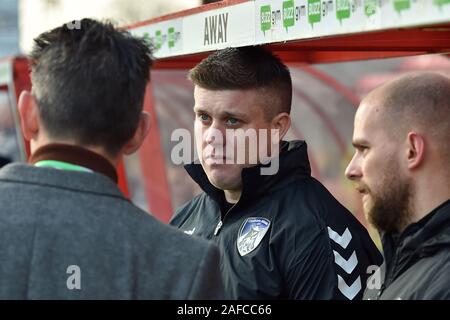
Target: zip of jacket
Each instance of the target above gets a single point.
(220, 224)
(390, 274)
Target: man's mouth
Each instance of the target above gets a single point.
(363, 191)
(216, 159)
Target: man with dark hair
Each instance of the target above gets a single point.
(401, 167)
(282, 234)
(66, 230)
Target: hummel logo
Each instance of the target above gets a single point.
(348, 265)
(349, 291)
(343, 240)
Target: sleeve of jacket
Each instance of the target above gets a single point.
(310, 273)
(207, 283)
(349, 244)
(180, 215)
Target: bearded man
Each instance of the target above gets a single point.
(401, 168)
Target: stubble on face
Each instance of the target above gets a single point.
(391, 209)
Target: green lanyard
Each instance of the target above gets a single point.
(61, 165)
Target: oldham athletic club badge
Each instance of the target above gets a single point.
(251, 233)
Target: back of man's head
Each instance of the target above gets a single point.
(247, 68)
(420, 102)
(89, 83)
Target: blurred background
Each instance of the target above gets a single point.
(23, 20)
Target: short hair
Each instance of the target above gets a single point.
(417, 100)
(244, 68)
(89, 82)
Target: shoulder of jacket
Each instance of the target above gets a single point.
(307, 187)
(191, 205)
(195, 200)
(302, 200)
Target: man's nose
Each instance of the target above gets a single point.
(213, 135)
(353, 170)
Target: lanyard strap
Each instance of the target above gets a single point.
(61, 165)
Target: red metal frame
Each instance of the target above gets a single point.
(330, 82)
(152, 157)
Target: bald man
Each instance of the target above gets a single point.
(402, 169)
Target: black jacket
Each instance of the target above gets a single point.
(417, 262)
(276, 242)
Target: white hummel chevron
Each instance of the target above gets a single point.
(349, 291)
(343, 240)
(190, 232)
(348, 265)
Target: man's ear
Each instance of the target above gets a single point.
(29, 115)
(139, 136)
(282, 122)
(415, 150)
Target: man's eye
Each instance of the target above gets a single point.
(204, 117)
(363, 149)
(232, 121)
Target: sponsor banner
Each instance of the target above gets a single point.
(231, 26)
(165, 37)
(282, 20)
(267, 21)
(205, 31)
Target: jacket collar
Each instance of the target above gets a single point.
(77, 181)
(75, 155)
(418, 240)
(293, 163)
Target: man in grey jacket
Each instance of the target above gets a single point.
(66, 230)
